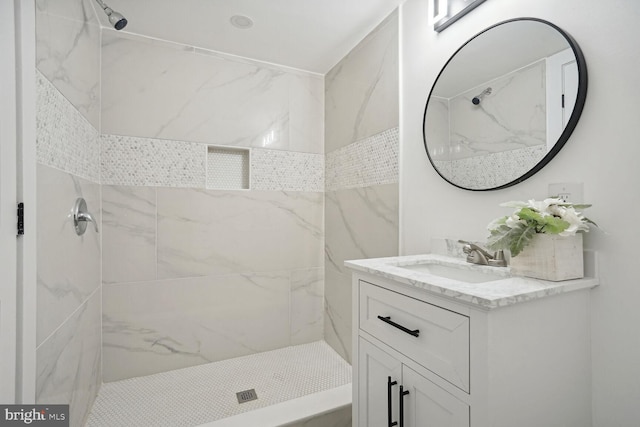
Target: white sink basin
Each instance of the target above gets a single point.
(455, 273)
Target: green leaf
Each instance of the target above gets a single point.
(499, 238)
(554, 225)
(519, 237)
(514, 239)
(529, 214)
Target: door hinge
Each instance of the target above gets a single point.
(20, 219)
(563, 100)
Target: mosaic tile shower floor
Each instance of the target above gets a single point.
(205, 393)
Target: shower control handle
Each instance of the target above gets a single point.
(81, 217)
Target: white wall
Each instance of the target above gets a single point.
(602, 153)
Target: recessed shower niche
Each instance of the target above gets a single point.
(228, 168)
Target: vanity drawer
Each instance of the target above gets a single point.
(442, 341)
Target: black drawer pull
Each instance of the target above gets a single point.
(415, 332)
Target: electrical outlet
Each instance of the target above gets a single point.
(572, 192)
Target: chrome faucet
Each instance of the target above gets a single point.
(480, 256)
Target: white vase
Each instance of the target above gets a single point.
(551, 257)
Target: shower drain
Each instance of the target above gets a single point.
(247, 396)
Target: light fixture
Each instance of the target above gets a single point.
(437, 10)
(443, 13)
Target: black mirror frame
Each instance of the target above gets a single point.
(566, 133)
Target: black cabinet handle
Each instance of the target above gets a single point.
(415, 332)
(403, 393)
(389, 415)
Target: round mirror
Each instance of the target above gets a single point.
(504, 104)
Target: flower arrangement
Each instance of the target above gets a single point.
(549, 216)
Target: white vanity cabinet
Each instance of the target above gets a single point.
(389, 388)
(463, 364)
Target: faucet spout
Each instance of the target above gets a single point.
(478, 255)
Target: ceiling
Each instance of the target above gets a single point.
(311, 35)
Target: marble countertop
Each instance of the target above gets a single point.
(502, 291)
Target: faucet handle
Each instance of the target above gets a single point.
(498, 259)
(81, 217)
(470, 246)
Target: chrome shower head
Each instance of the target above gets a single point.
(476, 99)
(116, 19)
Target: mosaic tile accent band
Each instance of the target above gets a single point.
(491, 170)
(152, 162)
(137, 161)
(274, 170)
(370, 161)
(65, 140)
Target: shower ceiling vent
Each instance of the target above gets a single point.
(247, 396)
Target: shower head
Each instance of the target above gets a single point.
(476, 99)
(117, 20)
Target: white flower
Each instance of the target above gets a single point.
(538, 206)
(513, 220)
(552, 216)
(576, 222)
(557, 210)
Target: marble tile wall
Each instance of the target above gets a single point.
(68, 352)
(68, 52)
(190, 274)
(193, 276)
(511, 133)
(512, 117)
(286, 170)
(436, 132)
(361, 91)
(65, 139)
(163, 90)
(68, 265)
(68, 363)
(371, 161)
(361, 169)
(126, 160)
(359, 223)
(492, 169)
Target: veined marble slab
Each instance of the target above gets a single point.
(175, 92)
(68, 52)
(361, 91)
(488, 295)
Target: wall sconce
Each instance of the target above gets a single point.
(443, 13)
